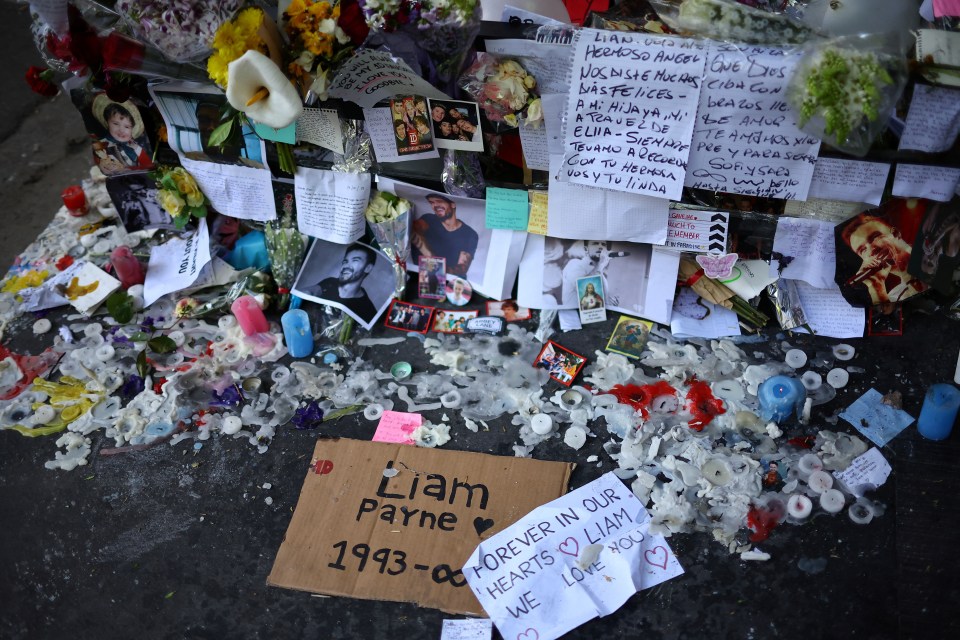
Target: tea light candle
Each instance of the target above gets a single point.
(799, 506)
(542, 424)
(811, 380)
(844, 352)
(831, 501)
(297, 333)
(820, 481)
(716, 471)
(808, 463)
(780, 396)
(75, 201)
(795, 358)
(249, 315)
(939, 411)
(838, 378)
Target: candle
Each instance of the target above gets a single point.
(128, 269)
(249, 315)
(75, 200)
(820, 481)
(838, 378)
(297, 333)
(716, 472)
(799, 506)
(795, 358)
(832, 501)
(781, 396)
(542, 424)
(939, 411)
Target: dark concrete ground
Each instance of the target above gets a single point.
(167, 543)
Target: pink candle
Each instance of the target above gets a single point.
(249, 315)
(75, 200)
(129, 270)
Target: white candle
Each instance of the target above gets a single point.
(843, 352)
(796, 358)
(811, 380)
(820, 481)
(838, 378)
(542, 424)
(809, 463)
(716, 471)
(799, 506)
(831, 501)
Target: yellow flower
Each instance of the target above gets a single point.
(300, 23)
(171, 202)
(229, 38)
(296, 7)
(187, 186)
(319, 44)
(249, 19)
(320, 10)
(217, 69)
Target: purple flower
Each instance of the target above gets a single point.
(229, 397)
(308, 417)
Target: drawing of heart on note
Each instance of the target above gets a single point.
(652, 557)
(570, 547)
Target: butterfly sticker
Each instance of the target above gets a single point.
(717, 266)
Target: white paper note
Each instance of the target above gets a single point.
(933, 121)
(867, 472)
(330, 204)
(320, 127)
(631, 111)
(236, 191)
(833, 210)
(554, 105)
(849, 180)
(549, 63)
(702, 318)
(810, 244)
(749, 278)
(746, 139)
(467, 630)
(369, 76)
(176, 264)
(569, 320)
(543, 576)
(379, 125)
(533, 141)
(580, 212)
(829, 314)
(923, 181)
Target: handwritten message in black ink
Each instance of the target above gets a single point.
(746, 139)
(631, 111)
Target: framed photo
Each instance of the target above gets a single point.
(404, 316)
(432, 279)
(411, 125)
(509, 310)
(456, 125)
(355, 278)
(590, 295)
(629, 337)
(562, 364)
(451, 321)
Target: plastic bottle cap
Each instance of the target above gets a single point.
(329, 358)
(401, 370)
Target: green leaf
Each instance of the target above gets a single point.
(120, 306)
(221, 134)
(169, 595)
(140, 336)
(162, 344)
(143, 367)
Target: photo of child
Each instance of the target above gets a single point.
(123, 146)
(562, 364)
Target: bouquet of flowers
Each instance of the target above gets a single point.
(504, 89)
(317, 43)
(432, 36)
(389, 219)
(180, 195)
(286, 247)
(182, 30)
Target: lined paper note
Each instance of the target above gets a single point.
(808, 250)
(829, 314)
(330, 204)
(849, 180)
(922, 181)
(933, 121)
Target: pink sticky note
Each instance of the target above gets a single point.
(946, 8)
(396, 426)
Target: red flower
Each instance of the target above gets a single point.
(64, 262)
(82, 48)
(39, 80)
(352, 22)
(702, 404)
(640, 397)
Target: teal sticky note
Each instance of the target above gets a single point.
(507, 209)
(288, 134)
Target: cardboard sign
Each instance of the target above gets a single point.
(701, 231)
(358, 533)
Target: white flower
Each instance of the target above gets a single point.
(254, 72)
(534, 114)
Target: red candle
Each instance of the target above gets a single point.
(75, 200)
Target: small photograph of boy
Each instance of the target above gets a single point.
(411, 124)
(432, 279)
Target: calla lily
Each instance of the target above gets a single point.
(257, 86)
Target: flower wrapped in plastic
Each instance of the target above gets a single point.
(505, 90)
(389, 219)
(183, 30)
(432, 36)
(286, 247)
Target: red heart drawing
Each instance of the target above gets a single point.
(529, 634)
(571, 541)
(656, 552)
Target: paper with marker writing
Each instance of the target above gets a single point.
(176, 264)
(581, 212)
(320, 127)
(541, 576)
(236, 191)
(829, 314)
(507, 208)
(746, 139)
(922, 181)
(467, 630)
(396, 426)
(849, 180)
(631, 111)
(331, 204)
(865, 473)
(369, 76)
(808, 250)
(379, 125)
(548, 63)
(879, 422)
(933, 121)
(538, 213)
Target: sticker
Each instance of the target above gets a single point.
(485, 324)
(459, 291)
(717, 266)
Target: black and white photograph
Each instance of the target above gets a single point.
(355, 278)
(456, 125)
(135, 197)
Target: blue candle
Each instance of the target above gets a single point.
(781, 396)
(297, 333)
(939, 411)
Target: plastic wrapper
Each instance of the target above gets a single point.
(286, 247)
(502, 87)
(462, 174)
(393, 236)
(545, 325)
(630, 15)
(732, 21)
(786, 304)
(846, 89)
(182, 30)
(259, 284)
(357, 154)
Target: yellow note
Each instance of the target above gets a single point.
(538, 213)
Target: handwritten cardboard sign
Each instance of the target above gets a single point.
(359, 533)
(631, 110)
(569, 561)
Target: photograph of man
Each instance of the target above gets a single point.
(884, 257)
(432, 278)
(409, 317)
(509, 310)
(592, 258)
(459, 292)
(936, 251)
(456, 125)
(355, 278)
(441, 234)
(135, 197)
(590, 300)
